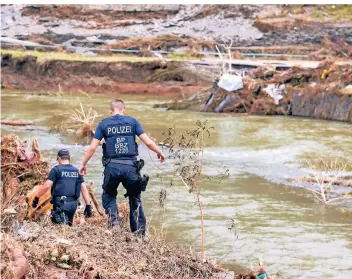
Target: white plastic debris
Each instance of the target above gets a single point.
(10, 211)
(63, 241)
(276, 92)
(348, 88)
(230, 82)
(27, 230)
(89, 53)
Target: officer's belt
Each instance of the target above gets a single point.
(124, 162)
(57, 199)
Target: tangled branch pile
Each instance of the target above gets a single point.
(79, 123)
(22, 168)
(92, 251)
(254, 98)
(336, 47)
(165, 42)
(86, 250)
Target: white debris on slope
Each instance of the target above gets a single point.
(276, 92)
(230, 82)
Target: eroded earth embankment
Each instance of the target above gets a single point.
(151, 77)
(318, 93)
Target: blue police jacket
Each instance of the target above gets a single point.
(66, 181)
(119, 133)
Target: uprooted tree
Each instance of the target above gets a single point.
(325, 175)
(22, 169)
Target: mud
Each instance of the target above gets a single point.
(59, 23)
(323, 105)
(156, 78)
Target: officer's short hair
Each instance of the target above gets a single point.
(117, 104)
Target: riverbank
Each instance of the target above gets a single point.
(91, 251)
(32, 246)
(318, 91)
(143, 76)
(268, 212)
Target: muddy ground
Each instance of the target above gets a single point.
(156, 77)
(246, 25)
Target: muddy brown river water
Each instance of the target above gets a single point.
(274, 219)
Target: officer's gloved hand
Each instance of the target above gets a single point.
(35, 202)
(88, 211)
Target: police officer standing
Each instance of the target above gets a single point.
(120, 152)
(66, 184)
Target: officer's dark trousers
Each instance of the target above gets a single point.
(64, 213)
(129, 177)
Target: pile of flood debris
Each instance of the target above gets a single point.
(22, 169)
(322, 92)
(33, 247)
(92, 251)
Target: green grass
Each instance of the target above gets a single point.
(325, 13)
(340, 12)
(181, 56)
(318, 15)
(45, 56)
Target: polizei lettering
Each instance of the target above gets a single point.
(119, 130)
(69, 174)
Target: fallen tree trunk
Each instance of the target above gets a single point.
(15, 122)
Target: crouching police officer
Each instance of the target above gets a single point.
(120, 152)
(66, 184)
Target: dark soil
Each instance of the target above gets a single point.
(99, 77)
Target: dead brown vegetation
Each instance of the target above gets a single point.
(86, 250)
(78, 124)
(328, 78)
(337, 47)
(101, 18)
(277, 24)
(95, 251)
(164, 42)
(22, 168)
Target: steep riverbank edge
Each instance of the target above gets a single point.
(150, 77)
(88, 249)
(163, 78)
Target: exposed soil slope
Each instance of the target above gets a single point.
(156, 77)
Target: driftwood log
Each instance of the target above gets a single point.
(327, 180)
(15, 122)
(94, 199)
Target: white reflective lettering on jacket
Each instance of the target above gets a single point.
(119, 130)
(69, 174)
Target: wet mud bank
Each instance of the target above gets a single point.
(324, 106)
(150, 77)
(324, 92)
